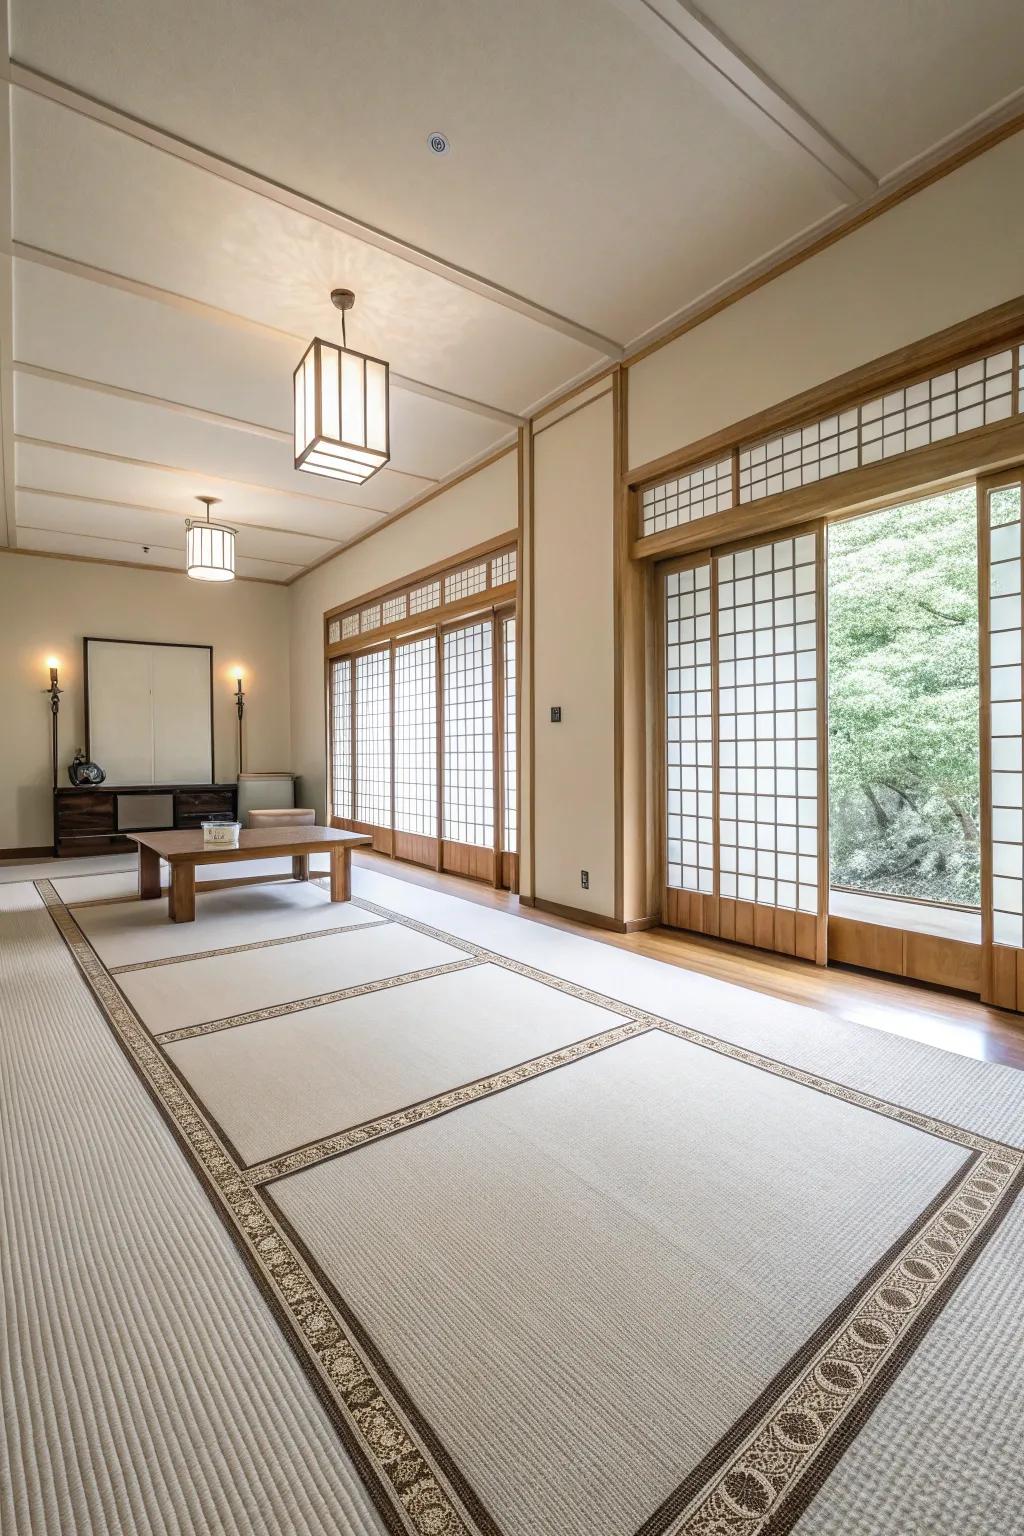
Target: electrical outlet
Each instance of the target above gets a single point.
(556, 714)
(585, 879)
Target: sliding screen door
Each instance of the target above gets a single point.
(509, 760)
(341, 738)
(468, 771)
(691, 886)
(745, 745)
(1002, 853)
(373, 743)
(415, 738)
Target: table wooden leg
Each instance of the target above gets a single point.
(300, 866)
(341, 873)
(183, 893)
(149, 873)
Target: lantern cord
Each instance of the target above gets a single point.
(344, 338)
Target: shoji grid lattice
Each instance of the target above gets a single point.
(422, 599)
(349, 626)
(416, 737)
(341, 738)
(393, 609)
(503, 568)
(373, 738)
(334, 632)
(689, 769)
(959, 400)
(468, 735)
(1004, 640)
(704, 490)
(768, 726)
(508, 647)
(370, 618)
(465, 583)
(814, 452)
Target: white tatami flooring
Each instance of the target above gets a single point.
(147, 1385)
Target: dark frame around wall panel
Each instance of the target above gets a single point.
(187, 645)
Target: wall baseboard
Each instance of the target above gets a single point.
(45, 852)
(575, 914)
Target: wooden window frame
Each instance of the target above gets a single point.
(442, 613)
(981, 450)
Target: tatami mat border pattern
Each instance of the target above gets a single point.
(762, 1473)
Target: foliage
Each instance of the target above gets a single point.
(903, 700)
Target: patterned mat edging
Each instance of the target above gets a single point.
(751, 1493)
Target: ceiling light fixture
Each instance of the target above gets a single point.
(209, 547)
(342, 425)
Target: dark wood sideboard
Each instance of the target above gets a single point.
(87, 820)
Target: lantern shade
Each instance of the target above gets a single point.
(341, 413)
(209, 551)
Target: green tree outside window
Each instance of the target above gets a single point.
(903, 700)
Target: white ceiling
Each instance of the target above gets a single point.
(185, 196)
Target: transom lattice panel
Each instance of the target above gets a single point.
(373, 738)
(503, 568)
(704, 490)
(341, 737)
(468, 735)
(959, 400)
(689, 770)
(422, 599)
(416, 737)
(1005, 726)
(466, 583)
(768, 724)
(511, 801)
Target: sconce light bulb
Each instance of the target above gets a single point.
(52, 663)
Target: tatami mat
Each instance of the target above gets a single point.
(146, 1388)
(639, 1236)
(535, 1299)
(127, 933)
(177, 996)
(280, 1082)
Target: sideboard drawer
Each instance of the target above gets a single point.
(85, 813)
(191, 806)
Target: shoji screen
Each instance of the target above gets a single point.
(689, 765)
(745, 744)
(373, 738)
(468, 773)
(416, 737)
(509, 841)
(1003, 807)
(341, 738)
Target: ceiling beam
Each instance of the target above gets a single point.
(111, 538)
(141, 290)
(313, 208)
(956, 150)
(140, 506)
(176, 469)
(681, 30)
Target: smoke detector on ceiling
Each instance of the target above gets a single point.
(438, 143)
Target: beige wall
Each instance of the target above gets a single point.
(573, 636)
(953, 250)
(480, 507)
(47, 607)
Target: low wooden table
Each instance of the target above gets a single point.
(184, 850)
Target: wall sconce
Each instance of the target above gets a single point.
(238, 674)
(54, 693)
